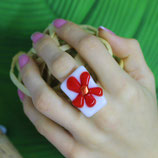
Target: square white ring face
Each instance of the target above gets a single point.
(100, 101)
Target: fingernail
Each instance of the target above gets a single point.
(103, 28)
(23, 60)
(35, 37)
(21, 94)
(59, 22)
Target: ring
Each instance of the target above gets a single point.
(84, 93)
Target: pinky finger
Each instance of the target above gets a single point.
(53, 132)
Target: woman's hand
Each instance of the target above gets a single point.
(126, 128)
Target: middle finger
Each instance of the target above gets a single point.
(95, 53)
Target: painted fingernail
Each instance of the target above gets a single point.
(23, 60)
(59, 22)
(104, 28)
(35, 37)
(21, 94)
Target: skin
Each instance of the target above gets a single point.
(125, 128)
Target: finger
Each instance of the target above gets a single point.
(60, 63)
(94, 52)
(54, 133)
(134, 63)
(44, 98)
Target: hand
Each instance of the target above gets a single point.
(126, 128)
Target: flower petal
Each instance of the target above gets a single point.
(90, 100)
(96, 91)
(73, 84)
(78, 101)
(85, 77)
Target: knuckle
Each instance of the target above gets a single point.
(39, 127)
(41, 100)
(128, 92)
(151, 76)
(74, 153)
(134, 42)
(26, 73)
(87, 42)
(42, 125)
(134, 48)
(71, 153)
(108, 119)
(120, 89)
(56, 66)
(68, 29)
(75, 128)
(43, 44)
(63, 65)
(112, 122)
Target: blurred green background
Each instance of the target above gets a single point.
(20, 18)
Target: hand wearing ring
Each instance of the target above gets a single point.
(121, 106)
(84, 92)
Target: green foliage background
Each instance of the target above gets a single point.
(20, 18)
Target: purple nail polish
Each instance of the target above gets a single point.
(23, 60)
(35, 37)
(59, 22)
(21, 94)
(103, 28)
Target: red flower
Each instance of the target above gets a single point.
(83, 90)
